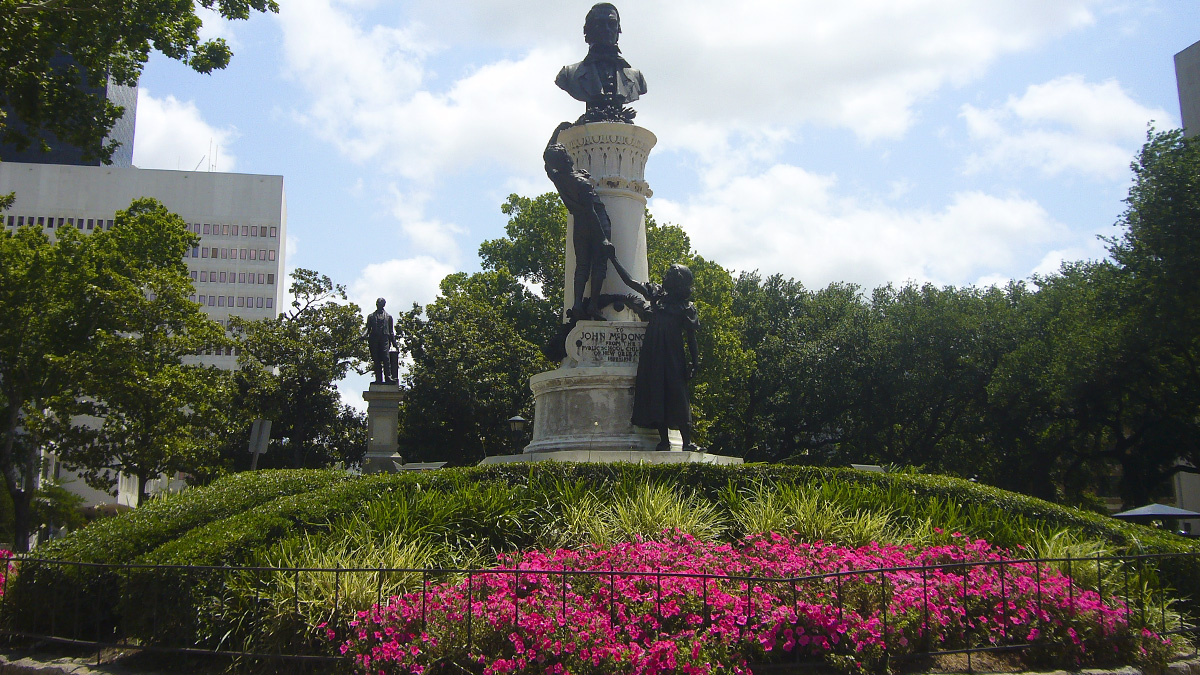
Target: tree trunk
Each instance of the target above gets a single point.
(141, 489)
(19, 479)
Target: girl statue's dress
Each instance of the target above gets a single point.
(660, 396)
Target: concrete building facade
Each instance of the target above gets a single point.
(1187, 79)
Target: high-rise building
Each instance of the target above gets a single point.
(1187, 79)
(62, 153)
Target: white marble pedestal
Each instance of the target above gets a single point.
(383, 422)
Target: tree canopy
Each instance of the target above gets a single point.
(54, 53)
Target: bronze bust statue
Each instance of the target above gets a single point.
(603, 80)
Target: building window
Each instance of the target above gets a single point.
(206, 229)
(262, 254)
(220, 301)
(260, 279)
(108, 224)
(192, 274)
(229, 298)
(224, 229)
(270, 278)
(224, 253)
(243, 254)
(201, 299)
(192, 297)
(204, 276)
(91, 222)
(204, 252)
(253, 254)
(241, 301)
(245, 230)
(195, 251)
(270, 302)
(258, 302)
(222, 277)
(20, 221)
(271, 254)
(212, 301)
(274, 232)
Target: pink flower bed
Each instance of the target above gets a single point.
(540, 613)
(5, 566)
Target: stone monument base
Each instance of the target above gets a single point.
(383, 420)
(582, 415)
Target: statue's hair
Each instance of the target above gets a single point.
(678, 277)
(379, 300)
(556, 151)
(594, 14)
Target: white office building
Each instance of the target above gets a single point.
(237, 268)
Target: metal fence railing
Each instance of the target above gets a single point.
(177, 609)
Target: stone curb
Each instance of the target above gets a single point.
(33, 665)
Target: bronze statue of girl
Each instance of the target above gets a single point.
(660, 395)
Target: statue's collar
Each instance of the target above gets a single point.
(611, 53)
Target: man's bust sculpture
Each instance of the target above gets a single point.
(603, 80)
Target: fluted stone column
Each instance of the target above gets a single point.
(615, 156)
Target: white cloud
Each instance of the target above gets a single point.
(381, 95)
(1064, 125)
(401, 282)
(171, 134)
(794, 222)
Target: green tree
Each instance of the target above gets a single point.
(473, 350)
(289, 365)
(153, 408)
(102, 39)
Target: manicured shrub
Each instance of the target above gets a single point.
(85, 595)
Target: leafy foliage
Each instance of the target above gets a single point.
(149, 410)
(473, 351)
(289, 366)
(54, 53)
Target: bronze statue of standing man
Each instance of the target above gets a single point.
(381, 336)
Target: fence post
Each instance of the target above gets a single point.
(1070, 585)
(883, 607)
(1003, 606)
(925, 604)
(470, 610)
(516, 597)
(337, 590)
(612, 597)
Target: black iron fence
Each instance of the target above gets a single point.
(221, 611)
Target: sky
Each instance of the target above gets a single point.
(954, 142)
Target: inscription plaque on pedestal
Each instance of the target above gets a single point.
(606, 343)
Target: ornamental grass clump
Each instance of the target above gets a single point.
(682, 605)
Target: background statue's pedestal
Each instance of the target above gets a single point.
(383, 421)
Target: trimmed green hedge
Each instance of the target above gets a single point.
(123, 539)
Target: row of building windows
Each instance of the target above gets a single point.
(220, 351)
(229, 300)
(232, 277)
(106, 224)
(232, 230)
(51, 222)
(233, 253)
